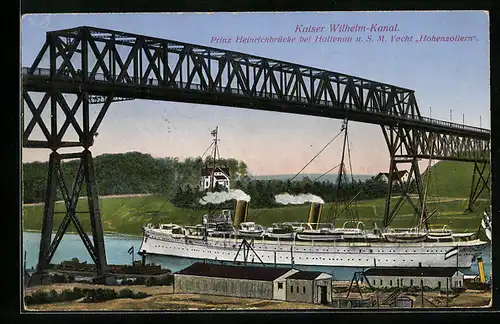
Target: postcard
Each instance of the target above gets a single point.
(256, 161)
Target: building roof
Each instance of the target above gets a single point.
(233, 272)
(305, 275)
(207, 171)
(411, 272)
(396, 176)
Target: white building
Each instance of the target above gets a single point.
(220, 178)
(415, 277)
(309, 287)
(402, 175)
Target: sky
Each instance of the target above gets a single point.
(445, 76)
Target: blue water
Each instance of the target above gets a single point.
(117, 248)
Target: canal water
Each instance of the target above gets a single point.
(117, 248)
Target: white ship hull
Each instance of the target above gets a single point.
(335, 254)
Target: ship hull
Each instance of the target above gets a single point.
(363, 254)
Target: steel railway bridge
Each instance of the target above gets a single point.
(98, 67)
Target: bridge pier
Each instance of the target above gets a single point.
(408, 184)
(96, 249)
(402, 151)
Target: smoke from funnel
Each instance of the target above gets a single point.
(286, 199)
(220, 197)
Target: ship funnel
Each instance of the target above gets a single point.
(241, 213)
(315, 214)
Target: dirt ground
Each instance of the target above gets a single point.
(469, 298)
(162, 299)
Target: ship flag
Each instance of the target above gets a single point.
(214, 132)
(131, 250)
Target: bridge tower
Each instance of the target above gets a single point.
(57, 86)
(402, 151)
(409, 145)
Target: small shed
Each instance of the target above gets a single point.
(403, 302)
(431, 277)
(309, 287)
(234, 281)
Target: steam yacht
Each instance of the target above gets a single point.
(284, 245)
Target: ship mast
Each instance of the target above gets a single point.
(341, 170)
(212, 175)
(422, 219)
(214, 134)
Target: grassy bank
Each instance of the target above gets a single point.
(126, 215)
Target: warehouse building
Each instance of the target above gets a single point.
(254, 282)
(309, 287)
(235, 281)
(434, 278)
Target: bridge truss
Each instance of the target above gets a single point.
(85, 66)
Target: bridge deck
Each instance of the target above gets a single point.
(153, 89)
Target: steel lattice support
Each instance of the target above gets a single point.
(409, 145)
(401, 140)
(85, 174)
(53, 134)
(54, 137)
(480, 181)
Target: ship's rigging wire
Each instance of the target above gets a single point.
(305, 166)
(326, 173)
(334, 207)
(297, 174)
(355, 212)
(207, 150)
(426, 187)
